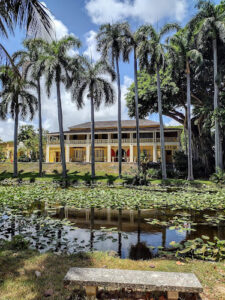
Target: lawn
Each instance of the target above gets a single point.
(105, 172)
(18, 280)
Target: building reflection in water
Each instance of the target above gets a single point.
(133, 233)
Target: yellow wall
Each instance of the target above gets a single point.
(53, 153)
(149, 150)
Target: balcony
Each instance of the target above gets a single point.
(114, 141)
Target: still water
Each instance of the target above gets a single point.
(125, 232)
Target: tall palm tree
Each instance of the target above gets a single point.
(181, 55)
(16, 101)
(210, 23)
(55, 61)
(92, 80)
(29, 14)
(110, 42)
(32, 69)
(131, 44)
(151, 56)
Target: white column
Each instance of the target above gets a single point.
(88, 153)
(47, 154)
(109, 156)
(131, 153)
(155, 152)
(67, 153)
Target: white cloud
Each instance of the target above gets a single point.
(72, 116)
(91, 43)
(59, 30)
(148, 11)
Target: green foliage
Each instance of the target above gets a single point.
(218, 177)
(147, 92)
(2, 154)
(202, 248)
(17, 243)
(181, 162)
(154, 173)
(21, 198)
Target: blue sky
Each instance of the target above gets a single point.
(82, 18)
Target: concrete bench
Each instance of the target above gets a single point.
(169, 282)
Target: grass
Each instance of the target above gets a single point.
(80, 172)
(18, 280)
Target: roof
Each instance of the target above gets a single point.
(114, 124)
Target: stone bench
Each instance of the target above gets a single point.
(169, 282)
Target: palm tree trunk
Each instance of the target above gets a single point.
(218, 150)
(119, 119)
(137, 111)
(40, 128)
(190, 163)
(162, 142)
(92, 138)
(15, 162)
(61, 133)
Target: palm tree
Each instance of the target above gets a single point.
(181, 55)
(131, 46)
(99, 90)
(29, 61)
(55, 61)
(16, 101)
(151, 56)
(210, 23)
(29, 14)
(110, 42)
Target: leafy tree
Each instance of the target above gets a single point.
(16, 101)
(151, 56)
(99, 90)
(29, 14)
(55, 62)
(33, 70)
(2, 152)
(210, 23)
(111, 43)
(30, 137)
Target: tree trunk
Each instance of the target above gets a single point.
(15, 162)
(190, 162)
(61, 133)
(40, 128)
(92, 138)
(137, 111)
(119, 119)
(162, 142)
(218, 150)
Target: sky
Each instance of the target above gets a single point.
(82, 18)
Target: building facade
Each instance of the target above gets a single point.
(78, 142)
(8, 149)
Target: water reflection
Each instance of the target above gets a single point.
(125, 232)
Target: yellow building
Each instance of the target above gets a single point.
(78, 142)
(7, 148)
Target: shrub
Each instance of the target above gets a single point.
(17, 243)
(154, 173)
(218, 177)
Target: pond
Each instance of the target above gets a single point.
(137, 234)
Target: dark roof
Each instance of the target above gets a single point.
(114, 124)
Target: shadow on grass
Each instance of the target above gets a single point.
(73, 177)
(18, 279)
